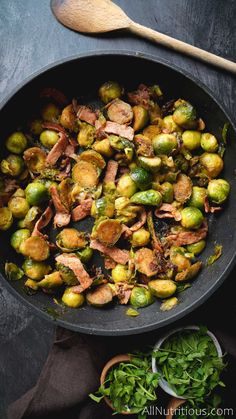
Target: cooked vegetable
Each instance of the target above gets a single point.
(85, 254)
(178, 258)
(50, 112)
(18, 237)
(218, 190)
(162, 288)
(13, 165)
(103, 207)
(36, 193)
(109, 91)
(198, 197)
(169, 303)
(189, 273)
(164, 143)
(30, 218)
(185, 116)
(126, 186)
(85, 174)
(67, 274)
(217, 254)
(145, 262)
(196, 248)
(149, 197)
(68, 118)
(141, 117)
(35, 159)
(51, 281)
(191, 140)
(141, 297)
(120, 273)
(141, 177)
(152, 131)
(35, 270)
(120, 112)
(35, 248)
(169, 124)
(48, 138)
(167, 192)
(70, 239)
(6, 218)
(107, 231)
(16, 143)
(35, 126)
(140, 238)
(71, 299)
(212, 163)
(100, 296)
(209, 142)
(151, 164)
(18, 206)
(13, 272)
(86, 135)
(191, 217)
(103, 147)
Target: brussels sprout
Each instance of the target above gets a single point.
(69, 239)
(103, 147)
(120, 273)
(141, 297)
(169, 304)
(85, 255)
(125, 211)
(35, 270)
(126, 186)
(167, 192)
(71, 299)
(100, 296)
(109, 91)
(152, 164)
(107, 231)
(68, 118)
(212, 163)
(35, 248)
(191, 218)
(35, 159)
(13, 165)
(13, 272)
(50, 112)
(218, 190)
(196, 248)
(152, 131)
(51, 281)
(164, 143)
(30, 218)
(18, 206)
(18, 237)
(141, 177)
(6, 218)
(48, 138)
(146, 262)
(191, 140)
(36, 193)
(179, 260)
(169, 124)
(85, 174)
(67, 274)
(86, 135)
(181, 163)
(209, 142)
(30, 283)
(140, 237)
(198, 197)
(35, 126)
(149, 197)
(119, 111)
(162, 288)
(103, 207)
(141, 117)
(16, 143)
(190, 273)
(93, 157)
(185, 116)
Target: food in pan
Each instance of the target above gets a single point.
(146, 172)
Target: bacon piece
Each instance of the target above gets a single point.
(140, 222)
(57, 95)
(183, 238)
(168, 211)
(140, 97)
(126, 231)
(123, 292)
(122, 130)
(62, 217)
(10, 185)
(54, 126)
(77, 289)
(109, 263)
(118, 255)
(57, 150)
(111, 171)
(73, 262)
(84, 113)
(82, 210)
(42, 222)
(183, 188)
(210, 209)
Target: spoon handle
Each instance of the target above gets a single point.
(183, 47)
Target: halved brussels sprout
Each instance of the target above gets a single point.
(93, 157)
(192, 218)
(145, 262)
(169, 124)
(68, 118)
(109, 91)
(119, 111)
(162, 288)
(35, 159)
(149, 197)
(85, 174)
(126, 186)
(141, 177)
(212, 163)
(70, 299)
(218, 190)
(70, 239)
(120, 273)
(103, 147)
(140, 238)
(100, 296)
(48, 138)
(13, 272)
(18, 237)
(18, 206)
(33, 285)
(103, 207)
(36, 193)
(152, 164)
(179, 260)
(107, 231)
(6, 218)
(141, 297)
(190, 273)
(35, 270)
(164, 144)
(35, 248)
(13, 165)
(51, 281)
(191, 139)
(185, 115)
(85, 254)
(67, 274)
(86, 135)
(196, 248)
(169, 304)
(198, 197)
(50, 112)
(209, 142)
(141, 117)
(152, 131)
(125, 211)
(30, 218)
(167, 192)
(16, 143)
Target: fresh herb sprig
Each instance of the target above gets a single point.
(131, 386)
(189, 362)
(206, 408)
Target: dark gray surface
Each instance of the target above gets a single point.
(30, 39)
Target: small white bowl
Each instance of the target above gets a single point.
(162, 382)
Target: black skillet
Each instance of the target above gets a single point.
(80, 77)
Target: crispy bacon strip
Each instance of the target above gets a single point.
(188, 237)
(62, 217)
(57, 150)
(73, 262)
(140, 222)
(122, 130)
(118, 255)
(123, 292)
(84, 113)
(42, 222)
(82, 210)
(141, 96)
(210, 209)
(54, 126)
(109, 263)
(111, 171)
(168, 211)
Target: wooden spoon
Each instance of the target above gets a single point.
(99, 16)
(173, 404)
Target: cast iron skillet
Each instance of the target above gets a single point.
(81, 76)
